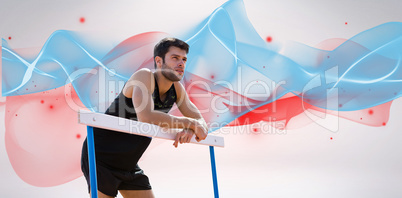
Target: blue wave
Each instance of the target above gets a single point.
(362, 72)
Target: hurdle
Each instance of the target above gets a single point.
(99, 120)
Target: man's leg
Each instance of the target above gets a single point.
(101, 195)
(137, 193)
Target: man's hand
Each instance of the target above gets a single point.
(200, 130)
(183, 137)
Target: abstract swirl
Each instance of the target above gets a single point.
(233, 76)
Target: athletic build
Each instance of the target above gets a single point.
(146, 97)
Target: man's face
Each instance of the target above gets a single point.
(174, 64)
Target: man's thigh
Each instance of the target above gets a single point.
(137, 193)
(101, 195)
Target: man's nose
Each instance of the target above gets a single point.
(181, 63)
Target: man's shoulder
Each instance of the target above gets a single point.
(143, 71)
(178, 85)
(142, 79)
(179, 88)
(143, 74)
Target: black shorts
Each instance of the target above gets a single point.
(117, 156)
(111, 180)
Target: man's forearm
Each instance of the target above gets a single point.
(203, 123)
(168, 121)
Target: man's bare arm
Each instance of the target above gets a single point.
(186, 107)
(142, 83)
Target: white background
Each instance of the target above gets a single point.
(360, 161)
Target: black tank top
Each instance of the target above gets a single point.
(122, 150)
(123, 107)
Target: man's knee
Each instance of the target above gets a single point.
(137, 193)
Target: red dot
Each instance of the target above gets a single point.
(331, 138)
(346, 23)
(255, 129)
(327, 56)
(42, 101)
(9, 38)
(212, 76)
(371, 112)
(361, 118)
(78, 136)
(340, 105)
(27, 89)
(217, 115)
(263, 67)
(35, 86)
(383, 124)
(96, 91)
(16, 114)
(51, 106)
(111, 92)
(82, 20)
(269, 39)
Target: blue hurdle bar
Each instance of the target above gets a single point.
(92, 162)
(213, 167)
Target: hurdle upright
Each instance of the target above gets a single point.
(99, 120)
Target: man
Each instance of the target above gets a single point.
(146, 97)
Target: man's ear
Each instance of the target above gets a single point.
(158, 61)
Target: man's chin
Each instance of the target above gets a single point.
(178, 78)
(173, 77)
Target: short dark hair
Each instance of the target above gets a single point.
(162, 47)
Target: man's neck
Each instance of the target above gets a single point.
(163, 83)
